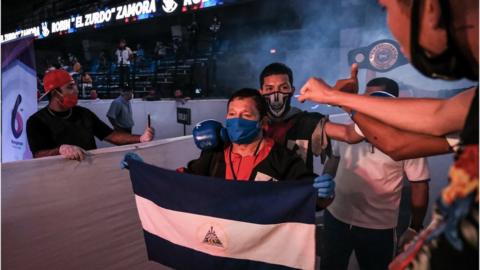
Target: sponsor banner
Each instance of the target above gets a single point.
(19, 97)
(130, 12)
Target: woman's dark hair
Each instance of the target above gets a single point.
(260, 102)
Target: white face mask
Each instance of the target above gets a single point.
(278, 103)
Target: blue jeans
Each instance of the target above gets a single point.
(373, 248)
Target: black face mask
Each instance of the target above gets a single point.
(278, 103)
(450, 65)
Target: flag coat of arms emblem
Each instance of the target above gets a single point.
(197, 222)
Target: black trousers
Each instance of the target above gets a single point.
(123, 75)
(374, 249)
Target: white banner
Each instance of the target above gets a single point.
(64, 214)
(19, 102)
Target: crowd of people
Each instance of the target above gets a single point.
(125, 59)
(267, 139)
(124, 62)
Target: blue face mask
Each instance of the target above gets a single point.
(242, 131)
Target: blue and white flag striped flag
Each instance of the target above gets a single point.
(196, 222)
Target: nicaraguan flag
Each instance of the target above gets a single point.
(196, 222)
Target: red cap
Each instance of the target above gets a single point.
(55, 79)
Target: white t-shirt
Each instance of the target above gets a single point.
(369, 185)
(123, 56)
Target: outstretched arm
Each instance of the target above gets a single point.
(121, 138)
(400, 144)
(436, 117)
(341, 132)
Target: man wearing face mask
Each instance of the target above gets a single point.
(250, 156)
(307, 133)
(63, 128)
(440, 38)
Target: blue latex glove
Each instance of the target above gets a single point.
(325, 186)
(129, 155)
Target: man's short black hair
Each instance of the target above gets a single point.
(390, 85)
(260, 102)
(276, 69)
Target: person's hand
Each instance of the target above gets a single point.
(325, 186)
(349, 85)
(315, 90)
(406, 238)
(72, 152)
(147, 135)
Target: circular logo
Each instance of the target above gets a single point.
(16, 121)
(212, 237)
(383, 56)
(359, 57)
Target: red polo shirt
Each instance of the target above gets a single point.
(243, 166)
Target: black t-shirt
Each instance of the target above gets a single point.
(48, 130)
(280, 164)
